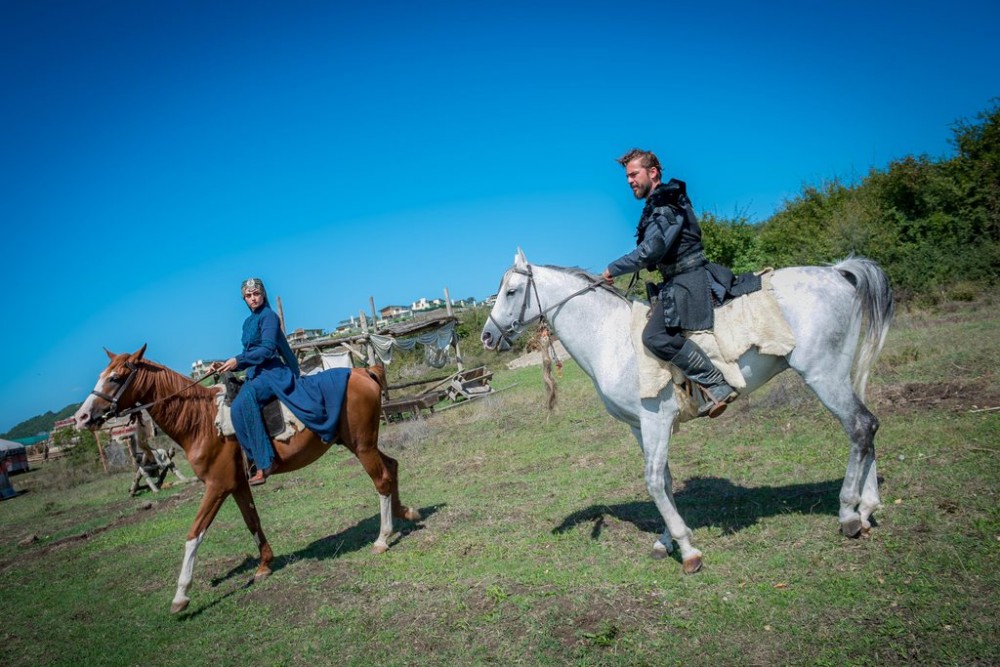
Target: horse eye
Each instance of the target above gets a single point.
(511, 291)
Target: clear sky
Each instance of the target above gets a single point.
(156, 153)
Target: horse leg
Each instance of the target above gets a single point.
(210, 504)
(870, 498)
(371, 459)
(859, 495)
(244, 500)
(399, 510)
(654, 438)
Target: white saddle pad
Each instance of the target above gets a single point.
(751, 320)
(224, 420)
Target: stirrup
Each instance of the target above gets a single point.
(711, 406)
(262, 475)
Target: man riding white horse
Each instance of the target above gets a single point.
(668, 238)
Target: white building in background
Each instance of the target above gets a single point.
(201, 366)
(425, 304)
(302, 335)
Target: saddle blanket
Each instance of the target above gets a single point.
(314, 405)
(224, 419)
(751, 320)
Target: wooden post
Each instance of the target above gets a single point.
(100, 450)
(368, 343)
(458, 352)
(371, 302)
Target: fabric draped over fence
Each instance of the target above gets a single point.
(436, 344)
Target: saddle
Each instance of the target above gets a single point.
(723, 285)
(754, 319)
(280, 423)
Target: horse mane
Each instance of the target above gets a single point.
(586, 276)
(191, 405)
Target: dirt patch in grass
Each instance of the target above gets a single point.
(951, 395)
(110, 516)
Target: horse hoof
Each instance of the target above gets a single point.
(261, 575)
(851, 528)
(659, 552)
(380, 548)
(178, 607)
(412, 515)
(692, 564)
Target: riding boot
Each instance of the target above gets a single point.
(715, 391)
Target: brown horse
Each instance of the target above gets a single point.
(186, 412)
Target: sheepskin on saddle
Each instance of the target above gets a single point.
(281, 424)
(751, 320)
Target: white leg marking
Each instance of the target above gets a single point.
(385, 512)
(187, 568)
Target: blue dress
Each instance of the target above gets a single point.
(273, 372)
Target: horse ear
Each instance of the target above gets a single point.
(111, 355)
(519, 259)
(142, 350)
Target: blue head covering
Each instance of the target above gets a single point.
(284, 349)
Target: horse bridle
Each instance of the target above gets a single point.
(518, 324)
(122, 388)
(114, 413)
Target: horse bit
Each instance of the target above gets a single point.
(508, 334)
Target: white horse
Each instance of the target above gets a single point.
(825, 307)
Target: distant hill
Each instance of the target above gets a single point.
(39, 424)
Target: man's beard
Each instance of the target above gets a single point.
(643, 191)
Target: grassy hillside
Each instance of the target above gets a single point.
(536, 533)
(40, 423)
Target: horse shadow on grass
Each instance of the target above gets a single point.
(354, 538)
(715, 502)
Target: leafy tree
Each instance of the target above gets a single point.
(732, 243)
(80, 445)
(800, 232)
(930, 223)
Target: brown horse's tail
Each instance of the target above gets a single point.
(377, 373)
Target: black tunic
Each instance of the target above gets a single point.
(668, 239)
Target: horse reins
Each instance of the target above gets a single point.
(516, 325)
(115, 414)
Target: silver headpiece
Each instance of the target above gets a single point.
(252, 285)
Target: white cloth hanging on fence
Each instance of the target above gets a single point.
(338, 359)
(436, 343)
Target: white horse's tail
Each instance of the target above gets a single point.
(876, 305)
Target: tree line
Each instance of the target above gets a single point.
(933, 224)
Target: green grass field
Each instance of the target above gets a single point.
(534, 546)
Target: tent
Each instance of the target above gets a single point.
(13, 457)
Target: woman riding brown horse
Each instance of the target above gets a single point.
(186, 411)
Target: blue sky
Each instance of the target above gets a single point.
(157, 153)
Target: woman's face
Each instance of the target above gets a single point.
(254, 298)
